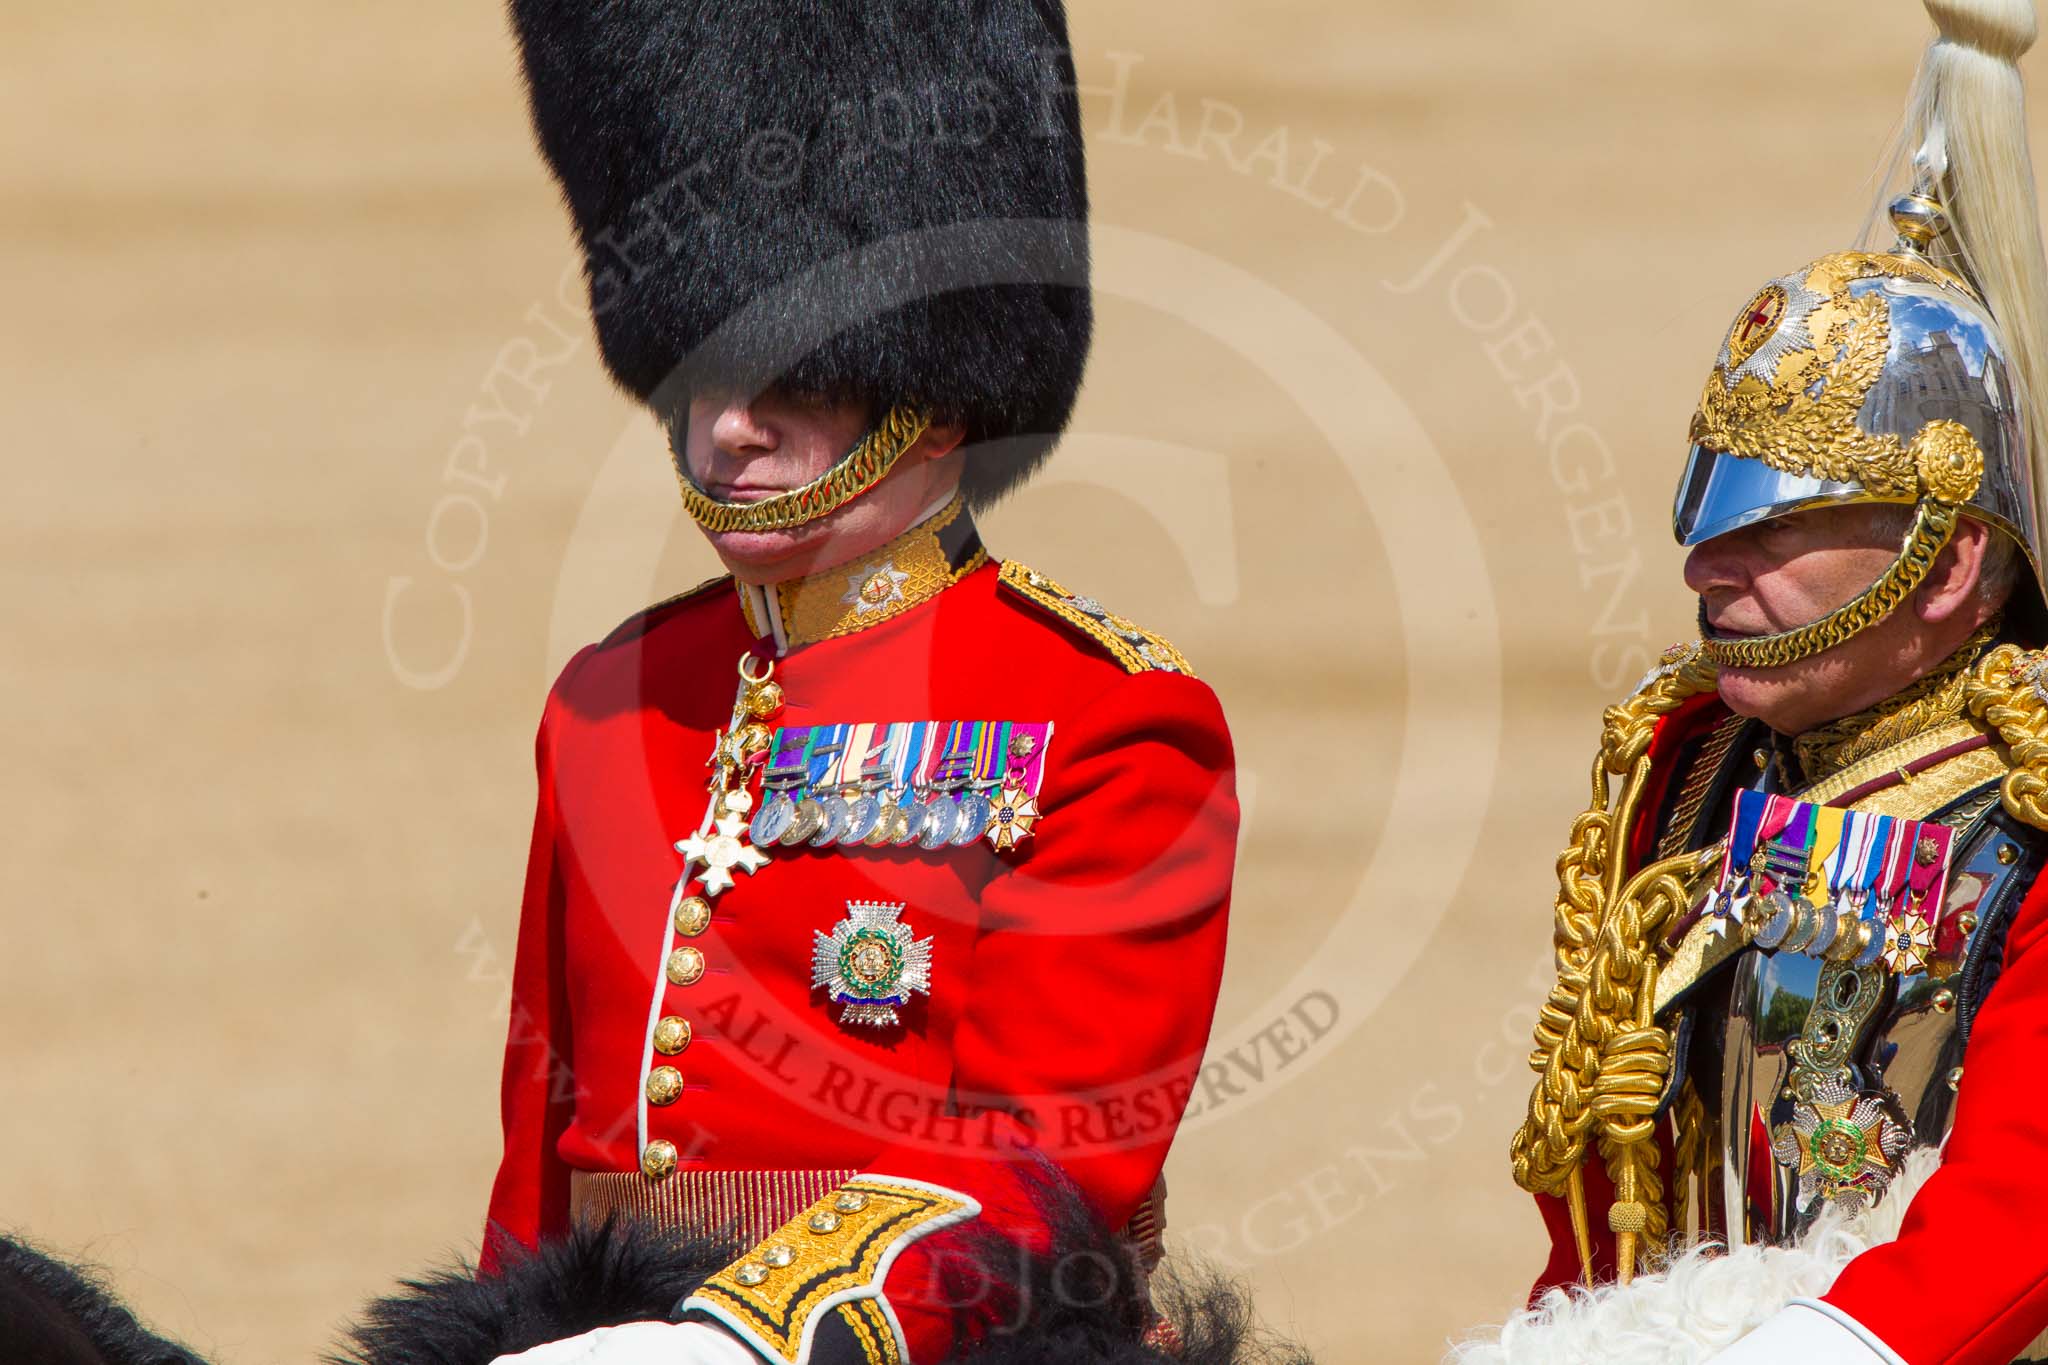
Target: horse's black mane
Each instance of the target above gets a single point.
(52, 1313)
(1083, 1302)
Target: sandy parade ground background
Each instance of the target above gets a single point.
(314, 481)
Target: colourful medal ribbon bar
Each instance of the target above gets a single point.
(1897, 864)
(1867, 902)
(1829, 824)
(1789, 852)
(908, 756)
(1850, 855)
(1742, 837)
(1766, 869)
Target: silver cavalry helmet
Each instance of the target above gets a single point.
(1864, 378)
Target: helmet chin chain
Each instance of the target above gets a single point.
(1950, 465)
(859, 470)
(1933, 524)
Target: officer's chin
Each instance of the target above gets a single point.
(768, 556)
(773, 556)
(1780, 697)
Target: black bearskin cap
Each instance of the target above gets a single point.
(882, 200)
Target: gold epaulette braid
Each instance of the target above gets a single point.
(1601, 1059)
(2008, 690)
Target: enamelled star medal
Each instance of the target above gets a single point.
(721, 844)
(1011, 819)
(871, 963)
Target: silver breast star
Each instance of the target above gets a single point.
(723, 850)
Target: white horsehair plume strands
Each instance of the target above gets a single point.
(1965, 131)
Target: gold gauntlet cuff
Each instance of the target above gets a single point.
(837, 1252)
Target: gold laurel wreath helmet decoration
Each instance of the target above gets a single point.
(859, 470)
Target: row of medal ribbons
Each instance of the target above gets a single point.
(1849, 886)
(923, 782)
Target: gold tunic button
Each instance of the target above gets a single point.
(2008, 854)
(823, 1221)
(693, 916)
(658, 1160)
(671, 1035)
(685, 965)
(1955, 1079)
(764, 701)
(778, 1256)
(1763, 760)
(850, 1201)
(1944, 1001)
(750, 1274)
(754, 739)
(1967, 921)
(664, 1085)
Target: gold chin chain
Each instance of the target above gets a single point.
(862, 468)
(1933, 524)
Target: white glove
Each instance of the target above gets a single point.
(642, 1343)
(1813, 1332)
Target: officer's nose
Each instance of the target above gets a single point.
(1718, 565)
(738, 431)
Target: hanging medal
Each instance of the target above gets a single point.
(1836, 933)
(1015, 814)
(1869, 896)
(721, 843)
(1811, 919)
(1736, 883)
(1781, 859)
(783, 774)
(929, 784)
(1911, 942)
(941, 816)
(1849, 894)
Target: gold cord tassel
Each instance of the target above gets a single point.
(1601, 1059)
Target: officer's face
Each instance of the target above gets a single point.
(1792, 570)
(744, 449)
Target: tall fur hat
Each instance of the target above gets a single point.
(883, 200)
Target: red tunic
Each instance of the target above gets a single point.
(1073, 979)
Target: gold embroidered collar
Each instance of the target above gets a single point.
(1933, 701)
(880, 586)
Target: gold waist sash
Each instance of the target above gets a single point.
(754, 1204)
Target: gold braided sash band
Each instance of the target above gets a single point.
(862, 468)
(750, 1203)
(835, 1253)
(1601, 1058)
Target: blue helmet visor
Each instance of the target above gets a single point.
(1721, 493)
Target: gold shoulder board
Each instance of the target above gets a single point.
(637, 624)
(1137, 649)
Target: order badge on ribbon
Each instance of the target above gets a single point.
(1842, 885)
